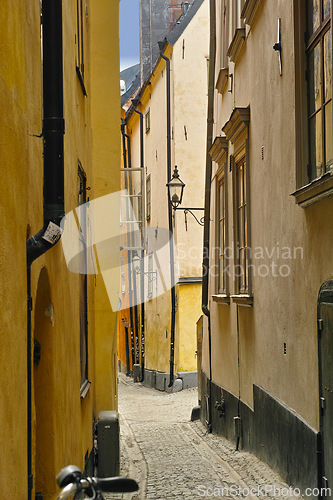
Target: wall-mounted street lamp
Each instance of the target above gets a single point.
(152, 275)
(175, 189)
(175, 195)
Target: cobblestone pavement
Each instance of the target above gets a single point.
(173, 458)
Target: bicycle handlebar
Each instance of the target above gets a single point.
(72, 482)
(72, 488)
(116, 484)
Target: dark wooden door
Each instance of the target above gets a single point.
(325, 313)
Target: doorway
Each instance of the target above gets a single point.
(45, 486)
(325, 348)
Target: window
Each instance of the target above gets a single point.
(81, 10)
(237, 30)
(239, 8)
(319, 78)
(147, 120)
(221, 211)
(224, 34)
(222, 78)
(235, 19)
(83, 304)
(150, 276)
(139, 198)
(314, 59)
(219, 154)
(148, 197)
(241, 215)
(122, 272)
(236, 131)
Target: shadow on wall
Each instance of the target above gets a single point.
(44, 389)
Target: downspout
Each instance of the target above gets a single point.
(129, 253)
(127, 351)
(172, 269)
(205, 261)
(135, 102)
(239, 382)
(136, 323)
(53, 154)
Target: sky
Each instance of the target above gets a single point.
(129, 33)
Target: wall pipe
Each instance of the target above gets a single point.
(136, 323)
(170, 218)
(127, 351)
(53, 160)
(127, 163)
(135, 103)
(205, 261)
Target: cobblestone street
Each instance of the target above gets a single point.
(171, 457)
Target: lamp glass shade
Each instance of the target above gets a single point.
(175, 189)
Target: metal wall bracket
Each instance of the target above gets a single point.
(278, 45)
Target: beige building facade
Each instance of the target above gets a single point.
(170, 312)
(266, 376)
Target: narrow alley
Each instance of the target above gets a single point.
(171, 457)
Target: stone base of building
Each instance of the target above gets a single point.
(122, 369)
(160, 380)
(273, 432)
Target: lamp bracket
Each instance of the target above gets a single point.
(187, 210)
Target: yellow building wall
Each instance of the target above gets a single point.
(189, 307)
(157, 310)
(62, 421)
(105, 98)
(20, 101)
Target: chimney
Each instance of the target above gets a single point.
(157, 18)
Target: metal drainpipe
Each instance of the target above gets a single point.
(172, 269)
(53, 154)
(142, 282)
(127, 163)
(205, 261)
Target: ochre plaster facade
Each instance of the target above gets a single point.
(62, 422)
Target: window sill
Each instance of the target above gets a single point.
(219, 150)
(315, 191)
(222, 299)
(243, 300)
(84, 389)
(237, 45)
(250, 11)
(222, 80)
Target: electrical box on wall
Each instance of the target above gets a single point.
(108, 455)
(237, 423)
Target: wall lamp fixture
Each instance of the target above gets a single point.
(175, 195)
(152, 275)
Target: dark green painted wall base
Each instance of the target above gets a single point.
(272, 432)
